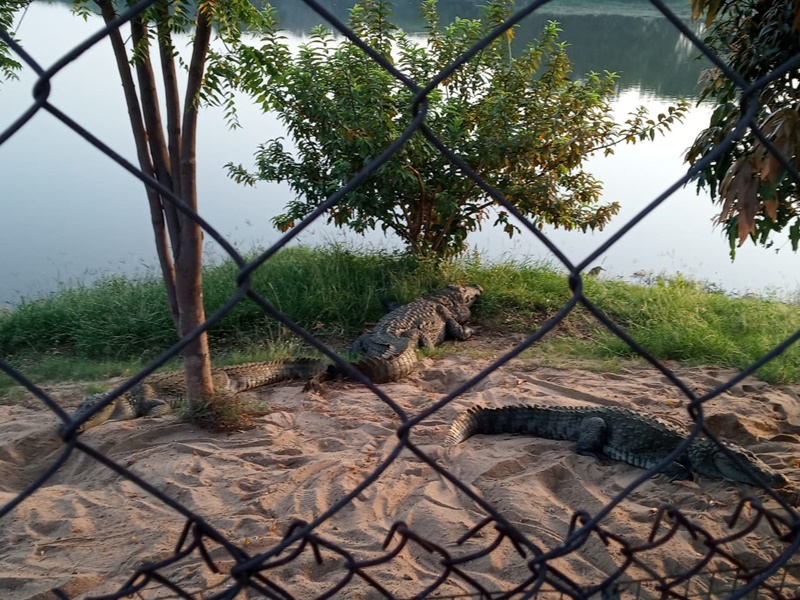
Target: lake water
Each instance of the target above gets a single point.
(70, 214)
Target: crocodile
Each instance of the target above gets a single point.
(388, 354)
(157, 394)
(619, 434)
(428, 321)
(379, 369)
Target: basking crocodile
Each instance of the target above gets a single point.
(379, 369)
(619, 434)
(389, 350)
(156, 395)
(390, 354)
(429, 320)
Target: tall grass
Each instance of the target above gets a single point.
(331, 291)
(334, 291)
(680, 319)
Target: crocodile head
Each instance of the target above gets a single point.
(712, 461)
(459, 298)
(85, 406)
(466, 294)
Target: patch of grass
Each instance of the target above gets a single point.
(331, 291)
(60, 367)
(224, 413)
(12, 395)
(117, 325)
(94, 387)
(267, 351)
(679, 319)
(566, 352)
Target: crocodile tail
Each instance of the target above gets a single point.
(100, 417)
(120, 409)
(389, 366)
(466, 425)
(535, 420)
(384, 370)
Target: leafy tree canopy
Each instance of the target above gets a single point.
(520, 121)
(757, 195)
(9, 65)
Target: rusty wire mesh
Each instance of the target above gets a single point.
(258, 575)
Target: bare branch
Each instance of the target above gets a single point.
(167, 54)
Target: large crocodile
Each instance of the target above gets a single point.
(389, 354)
(428, 321)
(619, 434)
(157, 394)
(389, 350)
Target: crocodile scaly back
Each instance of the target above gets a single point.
(432, 319)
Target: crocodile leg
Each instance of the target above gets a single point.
(456, 330)
(361, 345)
(592, 437)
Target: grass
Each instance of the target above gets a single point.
(225, 413)
(116, 325)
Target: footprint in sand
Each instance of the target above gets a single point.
(442, 380)
(23, 458)
(286, 460)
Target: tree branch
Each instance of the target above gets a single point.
(143, 156)
(415, 223)
(154, 125)
(167, 52)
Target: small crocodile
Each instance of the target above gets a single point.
(431, 320)
(156, 395)
(619, 434)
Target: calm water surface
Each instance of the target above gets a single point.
(70, 214)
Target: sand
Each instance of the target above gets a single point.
(87, 529)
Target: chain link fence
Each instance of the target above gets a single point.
(716, 570)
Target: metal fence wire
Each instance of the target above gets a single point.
(715, 571)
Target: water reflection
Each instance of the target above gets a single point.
(69, 213)
(628, 37)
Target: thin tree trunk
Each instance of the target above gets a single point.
(155, 128)
(188, 263)
(183, 277)
(145, 164)
(166, 51)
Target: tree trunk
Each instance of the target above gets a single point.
(140, 136)
(173, 164)
(188, 263)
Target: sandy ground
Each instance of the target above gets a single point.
(87, 529)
